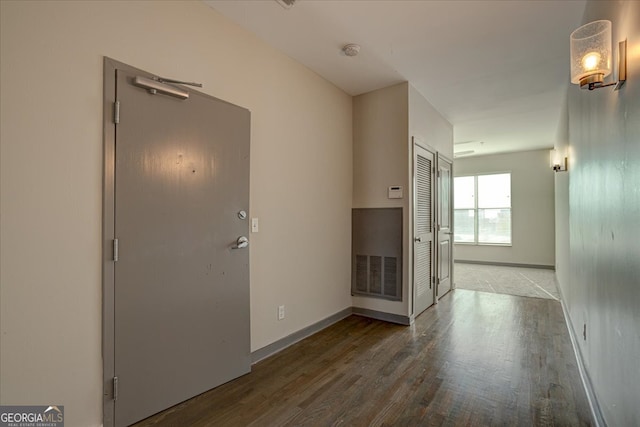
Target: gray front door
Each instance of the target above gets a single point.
(181, 292)
(423, 171)
(444, 209)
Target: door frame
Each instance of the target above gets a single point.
(440, 158)
(108, 235)
(416, 141)
(110, 66)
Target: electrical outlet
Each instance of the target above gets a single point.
(280, 312)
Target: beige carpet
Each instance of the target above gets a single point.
(526, 282)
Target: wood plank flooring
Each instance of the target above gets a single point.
(475, 359)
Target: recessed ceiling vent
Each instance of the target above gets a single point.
(463, 153)
(468, 142)
(287, 4)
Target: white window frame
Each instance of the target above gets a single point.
(475, 210)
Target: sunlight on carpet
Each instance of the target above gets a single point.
(526, 282)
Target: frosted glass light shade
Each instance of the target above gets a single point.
(554, 158)
(591, 52)
(558, 159)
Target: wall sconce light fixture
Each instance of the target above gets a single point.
(558, 161)
(591, 56)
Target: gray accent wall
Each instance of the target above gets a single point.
(599, 255)
(532, 208)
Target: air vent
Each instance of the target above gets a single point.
(390, 277)
(287, 4)
(362, 270)
(377, 276)
(463, 153)
(377, 253)
(468, 142)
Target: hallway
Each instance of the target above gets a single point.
(474, 359)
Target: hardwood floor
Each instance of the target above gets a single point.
(475, 359)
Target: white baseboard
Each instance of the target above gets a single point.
(596, 413)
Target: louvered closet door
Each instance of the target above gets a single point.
(423, 295)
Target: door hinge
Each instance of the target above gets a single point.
(116, 112)
(115, 250)
(115, 388)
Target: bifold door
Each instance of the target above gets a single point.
(423, 222)
(444, 209)
(179, 305)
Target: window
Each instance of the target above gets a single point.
(482, 209)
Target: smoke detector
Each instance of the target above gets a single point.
(287, 4)
(351, 49)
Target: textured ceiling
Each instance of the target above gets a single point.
(497, 70)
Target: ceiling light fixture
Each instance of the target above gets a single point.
(351, 49)
(591, 56)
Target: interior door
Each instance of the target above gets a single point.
(444, 212)
(423, 167)
(181, 288)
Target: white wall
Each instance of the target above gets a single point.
(51, 180)
(380, 126)
(532, 208)
(602, 287)
(384, 122)
(380, 152)
(428, 125)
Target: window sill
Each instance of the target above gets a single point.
(507, 245)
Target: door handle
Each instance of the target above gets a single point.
(242, 242)
(417, 239)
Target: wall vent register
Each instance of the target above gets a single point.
(377, 253)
